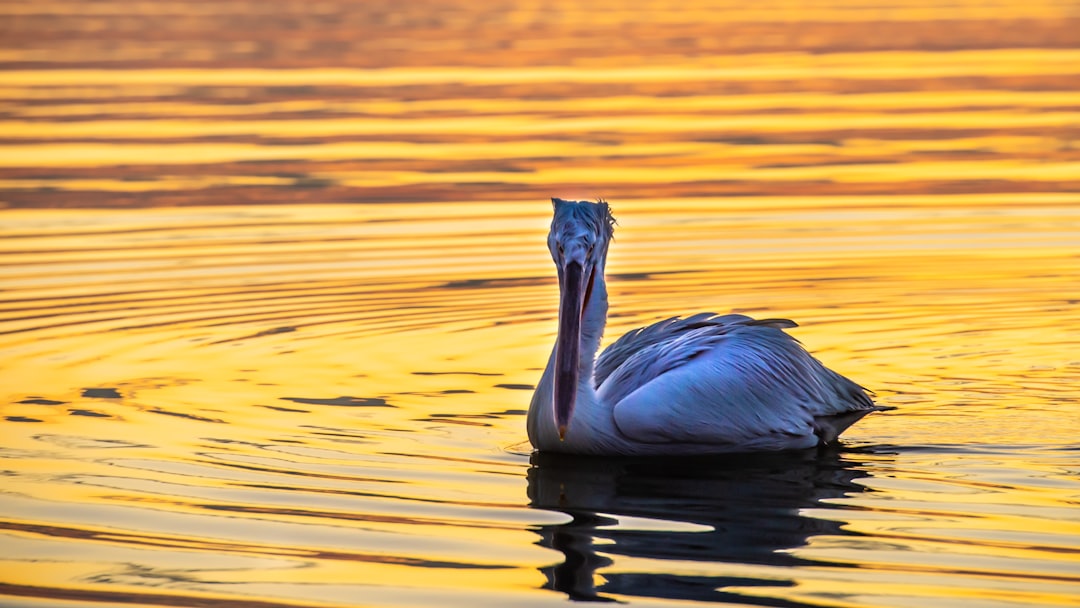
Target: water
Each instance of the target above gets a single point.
(272, 302)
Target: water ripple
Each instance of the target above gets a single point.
(272, 304)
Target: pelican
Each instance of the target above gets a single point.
(703, 384)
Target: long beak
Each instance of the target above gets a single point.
(568, 344)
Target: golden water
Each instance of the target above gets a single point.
(320, 401)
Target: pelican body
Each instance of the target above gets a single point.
(703, 384)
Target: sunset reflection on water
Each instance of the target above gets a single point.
(275, 293)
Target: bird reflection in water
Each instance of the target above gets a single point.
(730, 509)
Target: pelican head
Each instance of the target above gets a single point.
(579, 237)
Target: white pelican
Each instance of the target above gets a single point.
(703, 384)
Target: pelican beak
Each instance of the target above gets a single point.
(568, 343)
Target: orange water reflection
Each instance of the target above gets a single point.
(273, 294)
(321, 395)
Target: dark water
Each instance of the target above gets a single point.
(741, 511)
(274, 293)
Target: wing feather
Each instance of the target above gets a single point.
(730, 382)
(642, 339)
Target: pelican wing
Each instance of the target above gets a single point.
(725, 381)
(645, 338)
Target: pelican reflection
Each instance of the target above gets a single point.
(730, 509)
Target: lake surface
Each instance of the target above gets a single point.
(274, 293)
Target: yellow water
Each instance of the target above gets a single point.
(274, 292)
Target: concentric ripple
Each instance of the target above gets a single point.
(306, 405)
(274, 295)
